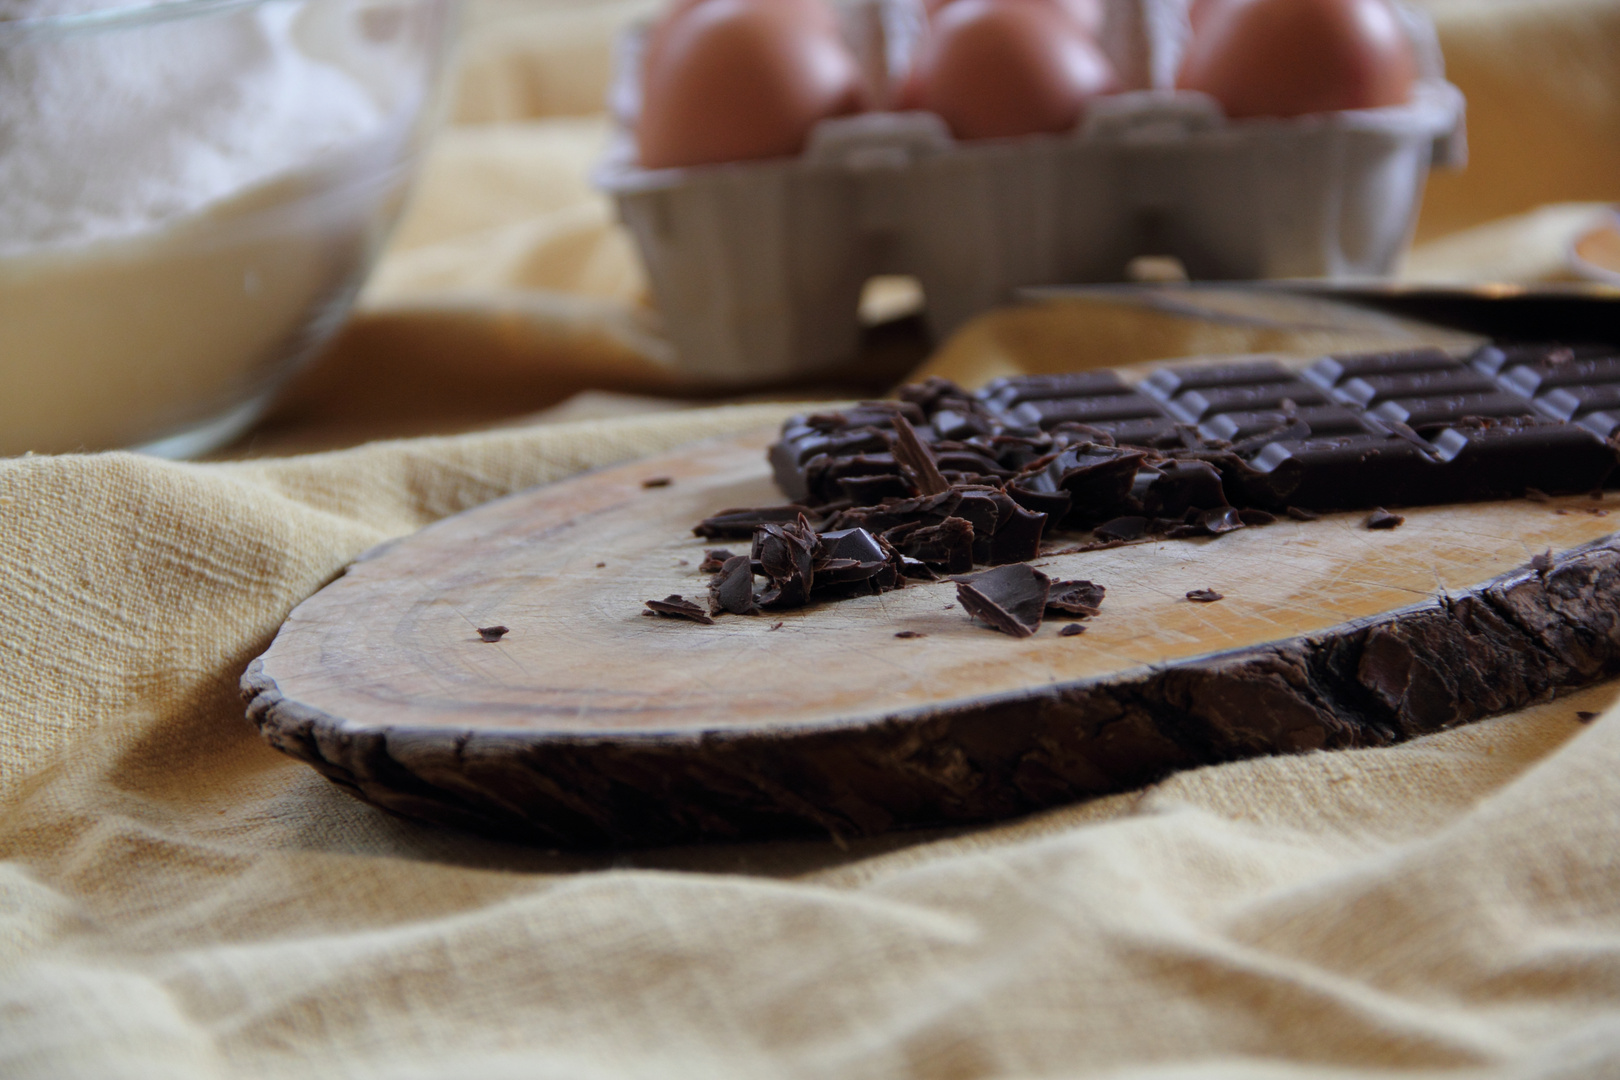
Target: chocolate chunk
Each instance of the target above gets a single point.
(1076, 597)
(1251, 516)
(1122, 528)
(853, 562)
(1017, 536)
(1204, 596)
(1302, 515)
(1009, 598)
(657, 481)
(740, 523)
(676, 606)
(1071, 630)
(910, 634)
(785, 554)
(916, 569)
(733, 587)
(1175, 487)
(1584, 716)
(713, 560)
(492, 633)
(948, 544)
(1383, 519)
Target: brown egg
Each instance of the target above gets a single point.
(740, 80)
(1088, 14)
(1294, 57)
(997, 68)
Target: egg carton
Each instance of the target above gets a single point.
(758, 267)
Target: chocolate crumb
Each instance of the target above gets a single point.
(1204, 596)
(600, 565)
(1537, 495)
(1383, 519)
(657, 481)
(1585, 717)
(678, 607)
(492, 633)
(1071, 630)
(774, 626)
(909, 634)
(1299, 514)
(1542, 563)
(1009, 598)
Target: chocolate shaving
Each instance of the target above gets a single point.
(657, 481)
(915, 459)
(1071, 630)
(1076, 597)
(1204, 596)
(910, 634)
(740, 523)
(1383, 519)
(1009, 598)
(492, 633)
(1299, 514)
(1542, 563)
(678, 607)
(1584, 716)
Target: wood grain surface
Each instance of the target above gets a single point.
(590, 723)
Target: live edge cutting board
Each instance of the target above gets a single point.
(592, 724)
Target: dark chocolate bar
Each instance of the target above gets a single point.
(1401, 428)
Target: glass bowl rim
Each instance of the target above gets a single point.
(121, 16)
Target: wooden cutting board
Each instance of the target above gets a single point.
(589, 723)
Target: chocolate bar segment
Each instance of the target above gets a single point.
(1193, 445)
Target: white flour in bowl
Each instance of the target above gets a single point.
(177, 202)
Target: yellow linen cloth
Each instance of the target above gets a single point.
(177, 900)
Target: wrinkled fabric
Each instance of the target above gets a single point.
(179, 900)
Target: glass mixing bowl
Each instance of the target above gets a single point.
(191, 194)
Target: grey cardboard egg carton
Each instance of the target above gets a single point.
(758, 267)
